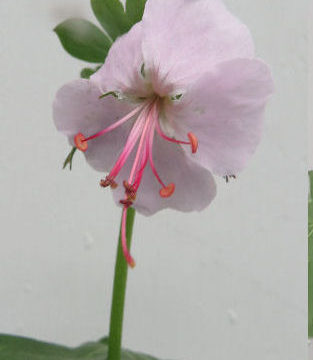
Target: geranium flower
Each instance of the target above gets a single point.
(179, 97)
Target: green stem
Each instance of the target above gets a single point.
(119, 289)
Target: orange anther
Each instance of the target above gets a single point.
(132, 263)
(167, 191)
(193, 142)
(80, 142)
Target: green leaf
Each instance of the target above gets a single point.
(112, 17)
(19, 348)
(135, 9)
(310, 260)
(83, 40)
(87, 72)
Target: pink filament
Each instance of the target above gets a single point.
(150, 152)
(161, 133)
(116, 124)
(143, 164)
(130, 144)
(128, 257)
(139, 153)
(140, 162)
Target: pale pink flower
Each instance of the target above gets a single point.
(189, 100)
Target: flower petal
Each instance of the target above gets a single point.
(122, 68)
(77, 108)
(194, 186)
(224, 109)
(184, 38)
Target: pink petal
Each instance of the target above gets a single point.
(224, 109)
(77, 108)
(183, 38)
(122, 68)
(195, 186)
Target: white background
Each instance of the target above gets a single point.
(228, 283)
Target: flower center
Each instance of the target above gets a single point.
(142, 134)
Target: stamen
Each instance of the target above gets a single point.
(128, 257)
(193, 142)
(116, 124)
(154, 169)
(167, 190)
(165, 137)
(80, 142)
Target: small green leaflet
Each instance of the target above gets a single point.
(83, 40)
(69, 159)
(112, 17)
(87, 72)
(135, 9)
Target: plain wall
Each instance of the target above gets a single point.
(227, 283)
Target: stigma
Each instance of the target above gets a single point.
(146, 124)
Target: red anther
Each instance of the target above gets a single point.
(127, 186)
(108, 181)
(127, 203)
(80, 142)
(129, 190)
(104, 183)
(167, 191)
(193, 142)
